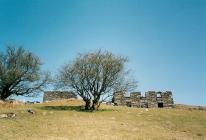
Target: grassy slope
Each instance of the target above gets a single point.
(65, 120)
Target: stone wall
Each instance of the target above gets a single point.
(58, 95)
(167, 99)
(119, 98)
(143, 102)
(135, 99)
(152, 99)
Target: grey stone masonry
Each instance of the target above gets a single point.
(135, 99)
(119, 98)
(167, 99)
(58, 95)
(151, 99)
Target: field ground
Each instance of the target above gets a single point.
(66, 120)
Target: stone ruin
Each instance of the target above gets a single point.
(58, 95)
(151, 99)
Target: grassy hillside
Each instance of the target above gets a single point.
(66, 120)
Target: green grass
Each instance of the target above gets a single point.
(67, 120)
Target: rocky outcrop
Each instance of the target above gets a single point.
(7, 115)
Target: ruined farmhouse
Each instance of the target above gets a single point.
(151, 99)
(58, 95)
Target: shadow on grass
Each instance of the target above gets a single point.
(70, 108)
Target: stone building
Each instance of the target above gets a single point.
(151, 99)
(58, 95)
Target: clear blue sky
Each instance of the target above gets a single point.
(165, 40)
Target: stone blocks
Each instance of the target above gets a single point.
(58, 95)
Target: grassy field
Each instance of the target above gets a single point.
(66, 120)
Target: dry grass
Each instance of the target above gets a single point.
(66, 120)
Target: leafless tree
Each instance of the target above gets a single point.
(95, 77)
(20, 73)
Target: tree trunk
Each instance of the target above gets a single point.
(3, 97)
(5, 93)
(95, 105)
(87, 105)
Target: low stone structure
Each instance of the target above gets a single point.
(58, 95)
(151, 99)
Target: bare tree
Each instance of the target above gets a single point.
(20, 73)
(95, 77)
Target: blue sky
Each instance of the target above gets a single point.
(164, 40)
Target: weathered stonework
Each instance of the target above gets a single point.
(119, 98)
(152, 99)
(58, 95)
(135, 98)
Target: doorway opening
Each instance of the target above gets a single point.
(160, 105)
(128, 104)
